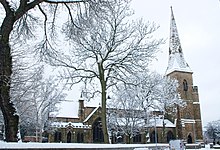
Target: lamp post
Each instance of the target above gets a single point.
(155, 128)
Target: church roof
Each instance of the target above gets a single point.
(66, 109)
(70, 108)
(176, 60)
(159, 122)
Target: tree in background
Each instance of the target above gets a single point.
(105, 49)
(21, 21)
(125, 114)
(133, 104)
(168, 100)
(213, 130)
(34, 93)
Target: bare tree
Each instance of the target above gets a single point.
(22, 18)
(168, 99)
(125, 114)
(213, 130)
(107, 48)
(31, 92)
(134, 104)
(44, 101)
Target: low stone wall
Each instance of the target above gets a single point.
(75, 146)
(193, 146)
(69, 148)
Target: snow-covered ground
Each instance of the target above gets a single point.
(4, 145)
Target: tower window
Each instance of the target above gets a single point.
(185, 85)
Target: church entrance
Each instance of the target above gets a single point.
(189, 139)
(97, 131)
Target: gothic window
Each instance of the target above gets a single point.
(153, 137)
(57, 136)
(189, 139)
(188, 115)
(137, 138)
(69, 137)
(97, 131)
(185, 85)
(170, 136)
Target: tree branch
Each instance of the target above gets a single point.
(6, 6)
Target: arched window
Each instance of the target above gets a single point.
(69, 137)
(153, 137)
(185, 85)
(189, 139)
(97, 131)
(57, 136)
(170, 136)
(188, 115)
(137, 138)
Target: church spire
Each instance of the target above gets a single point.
(176, 59)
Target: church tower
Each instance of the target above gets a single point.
(189, 123)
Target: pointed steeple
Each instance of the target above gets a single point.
(176, 59)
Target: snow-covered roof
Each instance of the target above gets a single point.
(69, 124)
(126, 121)
(159, 123)
(141, 122)
(90, 115)
(177, 63)
(176, 57)
(67, 109)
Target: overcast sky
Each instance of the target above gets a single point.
(198, 24)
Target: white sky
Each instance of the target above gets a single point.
(198, 24)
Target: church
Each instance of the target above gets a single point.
(189, 123)
(83, 125)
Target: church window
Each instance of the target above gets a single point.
(170, 136)
(69, 137)
(57, 136)
(97, 131)
(137, 138)
(188, 115)
(153, 137)
(185, 85)
(189, 139)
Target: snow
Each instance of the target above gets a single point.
(66, 124)
(176, 58)
(64, 1)
(177, 63)
(159, 123)
(4, 145)
(67, 109)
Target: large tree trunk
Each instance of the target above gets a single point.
(103, 84)
(6, 105)
(104, 123)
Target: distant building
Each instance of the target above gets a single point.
(83, 123)
(86, 127)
